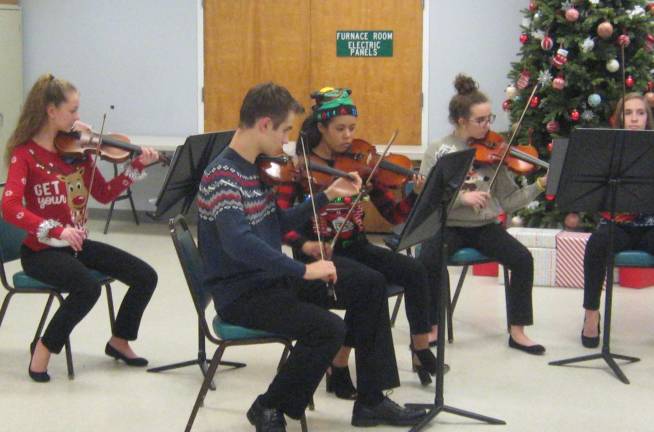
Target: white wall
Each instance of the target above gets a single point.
(142, 57)
(138, 55)
(476, 37)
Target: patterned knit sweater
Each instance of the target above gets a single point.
(44, 193)
(240, 230)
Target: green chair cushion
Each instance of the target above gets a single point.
(228, 331)
(467, 256)
(22, 281)
(634, 258)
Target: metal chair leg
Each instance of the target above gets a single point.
(44, 316)
(506, 295)
(69, 360)
(453, 302)
(205, 386)
(396, 309)
(5, 305)
(110, 305)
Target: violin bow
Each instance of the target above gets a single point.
(513, 135)
(331, 292)
(362, 191)
(95, 164)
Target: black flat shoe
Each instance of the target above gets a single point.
(591, 341)
(386, 412)
(113, 352)
(533, 349)
(425, 366)
(339, 382)
(266, 419)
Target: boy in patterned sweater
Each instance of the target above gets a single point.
(253, 283)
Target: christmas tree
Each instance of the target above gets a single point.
(573, 51)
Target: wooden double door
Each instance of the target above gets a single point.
(293, 43)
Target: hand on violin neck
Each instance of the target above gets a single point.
(312, 248)
(343, 187)
(418, 183)
(325, 270)
(148, 156)
(475, 199)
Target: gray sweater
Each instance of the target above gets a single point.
(506, 196)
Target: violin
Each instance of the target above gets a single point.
(283, 169)
(522, 159)
(393, 171)
(113, 147)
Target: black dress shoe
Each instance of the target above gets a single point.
(533, 349)
(386, 412)
(339, 382)
(113, 352)
(266, 419)
(591, 341)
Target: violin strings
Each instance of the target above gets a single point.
(95, 164)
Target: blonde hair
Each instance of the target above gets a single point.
(45, 91)
(617, 116)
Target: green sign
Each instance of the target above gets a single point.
(364, 43)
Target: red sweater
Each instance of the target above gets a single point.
(44, 194)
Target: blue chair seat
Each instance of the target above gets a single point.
(228, 331)
(467, 256)
(22, 281)
(634, 258)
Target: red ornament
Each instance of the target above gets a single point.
(552, 126)
(574, 115)
(572, 15)
(347, 200)
(558, 83)
(560, 58)
(650, 85)
(629, 81)
(550, 197)
(524, 38)
(547, 43)
(650, 8)
(623, 40)
(649, 37)
(550, 146)
(533, 7)
(506, 105)
(534, 102)
(523, 80)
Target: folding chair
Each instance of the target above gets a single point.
(11, 238)
(224, 334)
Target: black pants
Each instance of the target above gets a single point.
(625, 237)
(493, 241)
(60, 268)
(297, 309)
(377, 265)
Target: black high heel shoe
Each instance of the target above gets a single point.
(591, 341)
(339, 382)
(40, 377)
(113, 352)
(425, 366)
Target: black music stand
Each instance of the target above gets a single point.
(610, 170)
(181, 185)
(427, 218)
(186, 169)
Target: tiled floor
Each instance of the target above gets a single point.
(486, 375)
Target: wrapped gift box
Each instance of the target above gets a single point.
(535, 237)
(570, 247)
(544, 267)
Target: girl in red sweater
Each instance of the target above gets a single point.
(46, 195)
